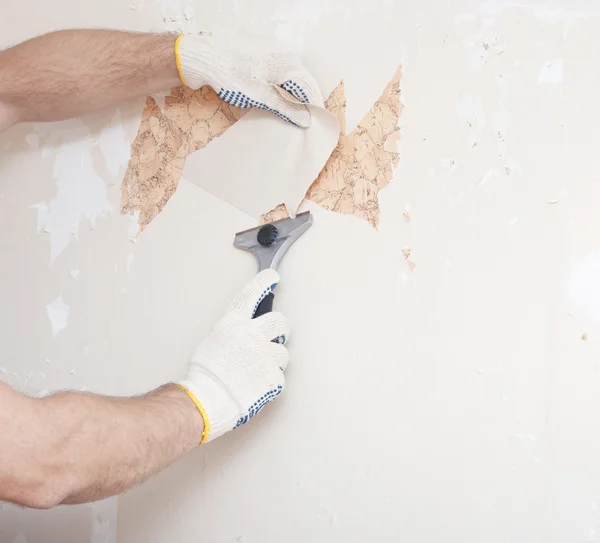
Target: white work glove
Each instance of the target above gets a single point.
(247, 74)
(238, 368)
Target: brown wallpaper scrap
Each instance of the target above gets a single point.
(362, 163)
(190, 121)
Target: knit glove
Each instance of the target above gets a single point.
(247, 75)
(238, 369)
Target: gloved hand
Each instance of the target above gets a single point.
(238, 368)
(246, 75)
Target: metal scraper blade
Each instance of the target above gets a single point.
(287, 232)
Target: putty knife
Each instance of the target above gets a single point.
(269, 243)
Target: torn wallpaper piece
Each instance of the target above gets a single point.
(189, 121)
(362, 162)
(360, 166)
(262, 162)
(280, 212)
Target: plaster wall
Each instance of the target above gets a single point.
(456, 400)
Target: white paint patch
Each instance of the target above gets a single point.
(552, 73)
(58, 315)
(129, 262)
(134, 226)
(470, 110)
(115, 147)
(74, 274)
(81, 191)
(561, 196)
(583, 286)
(42, 215)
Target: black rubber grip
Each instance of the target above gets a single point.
(266, 306)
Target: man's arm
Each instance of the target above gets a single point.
(64, 74)
(75, 448)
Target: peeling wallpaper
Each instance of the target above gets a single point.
(188, 121)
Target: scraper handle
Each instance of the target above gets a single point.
(266, 306)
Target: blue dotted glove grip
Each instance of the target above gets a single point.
(241, 100)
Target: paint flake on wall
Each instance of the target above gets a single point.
(189, 121)
(82, 194)
(58, 315)
(362, 162)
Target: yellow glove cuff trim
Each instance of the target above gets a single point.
(202, 412)
(180, 70)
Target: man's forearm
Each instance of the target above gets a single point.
(76, 448)
(70, 72)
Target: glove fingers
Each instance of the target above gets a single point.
(302, 85)
(254, 292)
(274, 327)
(278, 355)
(295, 113)
(269, 99)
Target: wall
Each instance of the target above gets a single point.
(453, 399)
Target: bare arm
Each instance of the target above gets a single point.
(74, 448)
(64, 74)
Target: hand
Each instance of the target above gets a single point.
(238, 369)
(246, 75)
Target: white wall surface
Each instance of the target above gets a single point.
(457, 402)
